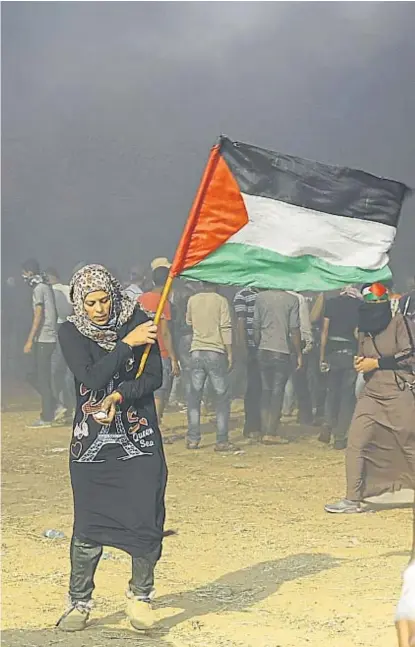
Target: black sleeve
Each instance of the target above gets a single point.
(404, 359)
(388, 363)
(150, 380)
(76, 351)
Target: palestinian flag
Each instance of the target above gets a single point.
(270, 220)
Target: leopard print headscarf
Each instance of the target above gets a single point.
(93, 278)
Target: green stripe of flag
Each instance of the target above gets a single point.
(238, 264)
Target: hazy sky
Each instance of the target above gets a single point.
(109, 111)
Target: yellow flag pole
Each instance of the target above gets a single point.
(184, 242)
(157, 317)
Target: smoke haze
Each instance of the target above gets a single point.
(109, 111)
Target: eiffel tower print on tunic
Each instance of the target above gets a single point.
(105, 437)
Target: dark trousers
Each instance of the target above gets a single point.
(62, 380)
(40, 377)
(275, 370)
(85, 558)
(340, 401)
(300, 380)
(317, 383)
(252, 401)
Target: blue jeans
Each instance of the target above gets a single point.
(206, 364)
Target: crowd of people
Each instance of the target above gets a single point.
(343, 362)
(290, 356)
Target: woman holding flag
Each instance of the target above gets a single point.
(117, 465)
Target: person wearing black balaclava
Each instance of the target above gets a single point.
(380, 454)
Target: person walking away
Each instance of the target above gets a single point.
(209, 316)
(117, 464)
(244, 306)
(380, 454)
(61, 376)
(41, 341)
(337, 351)
(182, 340)
(276, 328)
(149, 301)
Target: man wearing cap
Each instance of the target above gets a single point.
(160, 261)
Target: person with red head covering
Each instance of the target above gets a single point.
(380, 455)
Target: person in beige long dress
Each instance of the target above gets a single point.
(380, 455)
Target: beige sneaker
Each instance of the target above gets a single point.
(140, 614)
(74, 619)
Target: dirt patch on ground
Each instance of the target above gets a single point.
(256, 561)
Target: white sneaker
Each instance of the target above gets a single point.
(140, 614)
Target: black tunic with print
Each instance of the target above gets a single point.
(118, 472)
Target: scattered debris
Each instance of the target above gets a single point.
(54, 534)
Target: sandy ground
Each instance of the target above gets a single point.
(256, 561)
